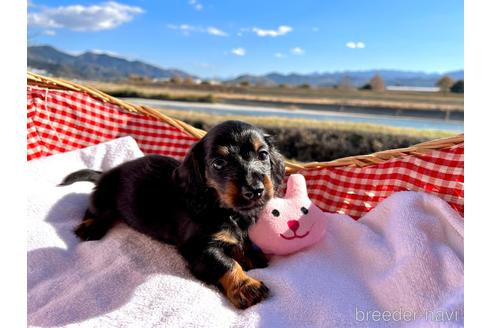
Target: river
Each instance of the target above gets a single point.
(227, 109)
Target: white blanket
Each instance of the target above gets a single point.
(401, 264)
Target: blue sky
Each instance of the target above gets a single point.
(225, 38)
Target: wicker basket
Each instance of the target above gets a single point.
(64, 116)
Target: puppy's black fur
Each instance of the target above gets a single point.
(203, 205)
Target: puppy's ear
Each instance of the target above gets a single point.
(190, 174)
(277, 165)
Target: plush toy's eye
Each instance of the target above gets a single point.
(275, 213)
(304, 210)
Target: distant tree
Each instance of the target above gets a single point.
(205, 82)
(261, 83)
(305, 86)
(346, 84)
(176, 79)
(377, 83)
(366, 86)
(244, 83)
(188, 80)
(135, 78)
(445, 83)
(458, 87)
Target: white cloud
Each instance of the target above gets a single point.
(49, 32)
(297, 51)
(355, 45)
(103, 16)
(188, 29)
(279, 55)
(178, 27)
(215, 31)
(195, 4)
(238, 52)
(184, 28)
(282, 30)
(243, 30)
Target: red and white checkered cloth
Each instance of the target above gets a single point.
(60, 121)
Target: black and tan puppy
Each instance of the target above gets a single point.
(203, 205)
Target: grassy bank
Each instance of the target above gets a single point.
(132, 92)
(320, 96)
(306, 140)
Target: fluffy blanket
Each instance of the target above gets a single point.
(401, 264)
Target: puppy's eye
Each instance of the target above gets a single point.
(262, 155)
(219, 164)
(275, 213)
(304, 210)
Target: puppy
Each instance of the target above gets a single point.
(203, 205)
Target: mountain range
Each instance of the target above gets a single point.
(92, 65)
(356, 78)
(101, 66)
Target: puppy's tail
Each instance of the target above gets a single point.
(81, 175)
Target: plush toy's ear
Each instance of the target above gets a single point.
(296, 186)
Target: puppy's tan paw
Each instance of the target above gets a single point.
(251, 292)
(242, 290)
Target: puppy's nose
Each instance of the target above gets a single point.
(253, 193)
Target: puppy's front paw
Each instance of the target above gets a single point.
(89, 229)
(250, 292)
(242, 290)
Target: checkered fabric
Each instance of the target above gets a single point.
(356, 190)
(60, 121)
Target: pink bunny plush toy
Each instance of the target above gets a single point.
(289, 224)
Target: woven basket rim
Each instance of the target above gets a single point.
(356, 161)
